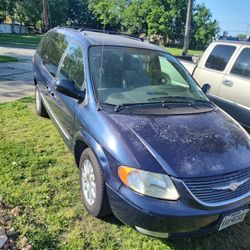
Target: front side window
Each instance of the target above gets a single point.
(242, 65)
(73, 65)
(51, 51)
(219, 57)
(134, 75)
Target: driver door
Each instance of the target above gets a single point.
(71, 68)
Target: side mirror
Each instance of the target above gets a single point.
(205, 88)
(68, 88)
(195, 60)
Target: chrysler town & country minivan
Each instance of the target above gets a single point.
(150, 146)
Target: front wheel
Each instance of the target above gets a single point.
(92, 183)
(40, 109)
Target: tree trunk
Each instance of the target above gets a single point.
(20, 28)
(12, 24)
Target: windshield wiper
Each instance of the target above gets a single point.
(179, 99)
(119, 107)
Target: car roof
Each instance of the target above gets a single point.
(111, 39)
(232, 42)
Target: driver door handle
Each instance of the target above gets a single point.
(50, 91)
(48, 88)
(228, 83)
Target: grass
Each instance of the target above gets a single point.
(34, 39)
(177, 51)
(21, 40)
(8, 59)
(38, 174)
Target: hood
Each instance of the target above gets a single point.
(192, 145)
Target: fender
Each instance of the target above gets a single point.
(90, 141)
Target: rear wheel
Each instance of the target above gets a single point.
(92, 183)
(40, 109)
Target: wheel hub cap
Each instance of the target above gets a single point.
(88, 182)
(37, 100)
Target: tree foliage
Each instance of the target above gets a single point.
(109, 12)
(204, 28)
(159, 19)
(162, 20)
(23, 11)
(79, 14)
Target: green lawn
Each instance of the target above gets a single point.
(38, 174)
(8, 59)
(33, 40)
(177, 51)
(18, 39)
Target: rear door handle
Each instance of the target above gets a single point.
(228, 83)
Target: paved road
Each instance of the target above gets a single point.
(20, 53)
(16, 78)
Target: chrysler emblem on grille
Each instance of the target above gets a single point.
(232, 186)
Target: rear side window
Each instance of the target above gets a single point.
(242, 65)
(73, 65)
(219, 57)
(51, 51)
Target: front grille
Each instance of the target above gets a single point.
(203, 188)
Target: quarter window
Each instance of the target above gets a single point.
(73, 65)
(219, 57)
(242, 65)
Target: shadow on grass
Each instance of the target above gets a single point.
(235, 237)
(111, 219)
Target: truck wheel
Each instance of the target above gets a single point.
(40, 109)
(92, 183)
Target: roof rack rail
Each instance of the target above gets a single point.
(112, 32)
(69, 27)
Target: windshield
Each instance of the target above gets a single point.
(123, 75)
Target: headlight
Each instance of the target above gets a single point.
(147, 183)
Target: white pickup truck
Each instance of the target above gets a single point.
(225, 66)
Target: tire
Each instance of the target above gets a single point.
(40, 109)
(89, 167)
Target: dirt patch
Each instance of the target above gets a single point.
(9, 237)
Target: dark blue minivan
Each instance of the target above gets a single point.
(150, 146)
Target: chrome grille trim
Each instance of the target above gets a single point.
(203, 189)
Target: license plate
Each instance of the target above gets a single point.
(234, 218)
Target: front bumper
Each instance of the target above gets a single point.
(177, 218)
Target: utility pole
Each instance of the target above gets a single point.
(45, 16)
(188, 27)
(248, 26)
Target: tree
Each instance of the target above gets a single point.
(56, 12)
(162, 19)
(109, 12)
(204, 27)
(79, 14)
(134, 18)
(8, 6)
(166, 19)
(30, 13)
(242, 36)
